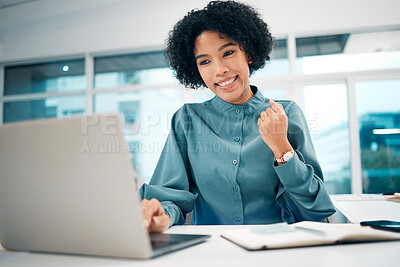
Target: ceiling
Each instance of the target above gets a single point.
(9, 3)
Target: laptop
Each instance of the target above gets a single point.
(68, 186)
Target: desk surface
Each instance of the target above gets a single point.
(367, 207)
(220, 252)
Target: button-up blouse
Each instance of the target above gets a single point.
(215, 163)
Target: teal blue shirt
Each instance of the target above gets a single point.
(215, 163)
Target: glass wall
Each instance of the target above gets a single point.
(65, 80)
(50, 107)
(348, 52)
(378, 111)
(59, 76)
(147, 117)
(325, 108)
(201, 95)
(274, 93)
(146, 112)
(279, 63)
(142, 88)
(141, 68)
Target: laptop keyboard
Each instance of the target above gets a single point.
(161, 240)
(163, 243)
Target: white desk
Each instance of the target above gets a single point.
(220, 252)
(366, 207)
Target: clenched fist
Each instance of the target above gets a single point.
(273, 126)
(154, 217)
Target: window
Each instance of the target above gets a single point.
(378, 111)
(348, 52)
(59, 76)
(147, 111)
(147, 117)
(43, 108)
(142, 68)
(59, 87)
(200, 95)
(274, 93)
(279, 63)
(142, 88)
(325, 108)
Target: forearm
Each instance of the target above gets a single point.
(303, 194)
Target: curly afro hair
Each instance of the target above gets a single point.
(238, 21)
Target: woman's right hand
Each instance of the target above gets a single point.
(154, 217)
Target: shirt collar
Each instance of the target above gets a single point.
(252, 105)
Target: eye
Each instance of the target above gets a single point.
(204, 62)
(228, 53)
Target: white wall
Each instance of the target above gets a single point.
(52, 28)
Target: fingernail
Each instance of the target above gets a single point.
(156, 220)
(146, 223)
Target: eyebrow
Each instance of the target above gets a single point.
(222, 47)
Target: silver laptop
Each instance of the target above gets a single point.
(68, 186)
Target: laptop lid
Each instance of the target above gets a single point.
(69, 186)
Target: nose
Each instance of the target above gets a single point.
(220, 68)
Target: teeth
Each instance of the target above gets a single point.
(227, 82)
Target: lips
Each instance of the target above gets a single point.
(225, 83)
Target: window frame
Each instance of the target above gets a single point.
(292, 83)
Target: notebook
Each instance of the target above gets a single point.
(303, 234)
(68, 186)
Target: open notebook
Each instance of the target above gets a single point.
(302, 234)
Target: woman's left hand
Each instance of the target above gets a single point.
(273, 126)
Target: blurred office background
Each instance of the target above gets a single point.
(339, 60)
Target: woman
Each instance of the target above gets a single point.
(238, 158)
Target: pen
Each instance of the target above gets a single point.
(314, 231)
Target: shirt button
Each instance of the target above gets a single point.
(234, 161)
(237, 110)
(235, 189)
(237, 218)
(237, 139)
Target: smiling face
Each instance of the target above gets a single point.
(223, 66)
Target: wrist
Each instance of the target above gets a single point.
(279, 151)
(286, 156)
(283, 153)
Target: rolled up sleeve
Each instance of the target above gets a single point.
(302, 194)
(170, 183)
